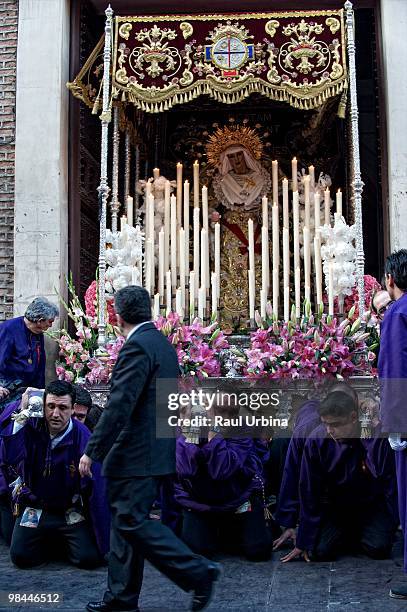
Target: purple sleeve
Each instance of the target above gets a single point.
(393, 372)
(14, 447)
(225, 457)
(310, 488)
(381, 462)
(6, 347)
(187, 458)
(288, 498)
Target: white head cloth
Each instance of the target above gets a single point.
(235, 192)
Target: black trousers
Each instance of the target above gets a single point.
(135, 537)
(247, 533)
(369, 530)
(29, 545)
(6, 521)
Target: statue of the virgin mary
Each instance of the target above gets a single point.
(239, 183)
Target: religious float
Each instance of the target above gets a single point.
(253, 261)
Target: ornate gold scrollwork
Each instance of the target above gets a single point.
(125, 29)
(186, 29)
(337, 69)
(333, 24)
(271, 27)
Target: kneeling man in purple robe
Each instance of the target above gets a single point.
(40, 459)
(347, 488)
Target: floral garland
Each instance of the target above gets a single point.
(316, 347)
(197, 346)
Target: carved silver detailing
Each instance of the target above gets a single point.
(356, 180)
(103, 189)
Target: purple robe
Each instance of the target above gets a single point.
(393, 392)
(288, 499)
(22, 354)
(220, 475)
(392, 368)
(354, 473)
(51, 477)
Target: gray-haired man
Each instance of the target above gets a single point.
(22, 354)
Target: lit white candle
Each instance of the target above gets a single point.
(173, 241)
(307, 263)
(294, 171)
(317, 211)
(201, 302)
(296, 229)
(156, 305)
(265, 212)
(274, 169)
(263, 302)
(276, 245)
(286, 272)
(204, 279)
(149, 188)
(167, 193)
(179, 194)
(182, 263)
(196, 183)
(251, 294)
(178, 303)
(161, 269)
(276, 290)
(156, 173)
(196, 249)
(217, 259)
(331, 289)
(306, 182)
(168, 291)
(285, 203)
(149, 263)
(327, 202)
(123, 223)
(205, 214)
(214, 288)
(192, 295)
(251, 243)
(186, 225)
(318, 268)
(129, 209)
(339, 202)
(151, 217)
(297, 292)
(265, 260)
(311, 172)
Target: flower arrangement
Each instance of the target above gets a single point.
(317, 346)
(197, 346)
(371, 286)
(78, 360)
(91, 305)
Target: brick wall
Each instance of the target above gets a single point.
(8, 55)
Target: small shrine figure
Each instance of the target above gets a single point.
(239, 183)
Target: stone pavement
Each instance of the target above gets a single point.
(354, 584)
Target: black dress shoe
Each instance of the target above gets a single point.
(103, 606)
(399, 592)
(203, 594)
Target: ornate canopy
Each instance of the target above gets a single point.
(158, 61)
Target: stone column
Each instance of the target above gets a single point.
(41, 151)
(394, 40)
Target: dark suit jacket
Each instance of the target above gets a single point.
(125, 437)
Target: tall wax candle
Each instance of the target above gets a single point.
(274, 169)
(196, 249)
(167, 194)
(196, 183)
(179, 194)
(285, 203)
(173, 241)
(294, 174)
(251, 243)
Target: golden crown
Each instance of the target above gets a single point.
(227, 137)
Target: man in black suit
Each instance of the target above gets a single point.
(135, 461)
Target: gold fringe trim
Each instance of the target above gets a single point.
(296, 98)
